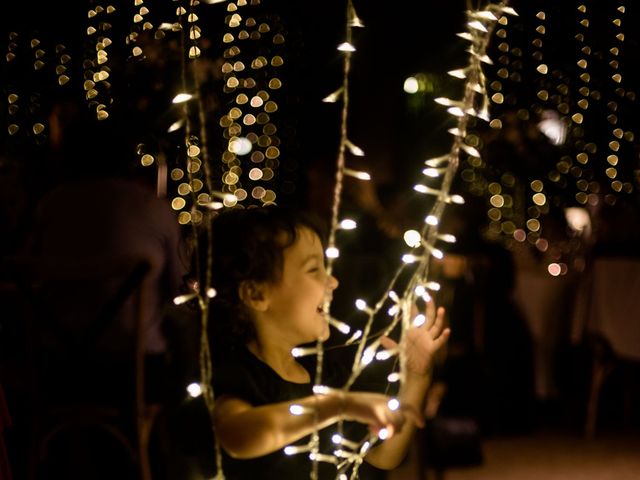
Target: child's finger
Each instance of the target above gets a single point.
(430, 313)
(441, 340)
(438, 324)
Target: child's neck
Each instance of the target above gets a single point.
(281, 361)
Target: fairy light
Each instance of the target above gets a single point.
(341, 326)
(354, 149)
(431, 220)
(434, 172)
(410, 258)
(346, 47)
(340, 440)
(194, 390)
(302, 352)
(321, 390)
(419, 320)
(393, 377)
(334, 96)
(347, 224)
(412, 238)
(332, 252)
(356, 335)
(294, 449)
(385, 354)
(357, 174)
(180, 299)
(299, 410)
(181, 98)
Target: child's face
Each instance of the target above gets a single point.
(295, 301)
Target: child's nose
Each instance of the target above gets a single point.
(332, 282)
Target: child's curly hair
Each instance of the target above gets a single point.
(247, 245)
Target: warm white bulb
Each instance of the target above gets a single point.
(419, 320)
(240, 146)
(412, 238)
(408, 258)
(431, 220)
(182, 97)
(194, 390)
(411, 85)
(348, 224)
(332, 252)
(296, 409)
(346, 47)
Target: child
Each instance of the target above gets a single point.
(270, 278)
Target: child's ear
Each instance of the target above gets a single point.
(253, 295)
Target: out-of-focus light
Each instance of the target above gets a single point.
(321, 389)
(578, 219)
(182, 97)
(393, 377)
(194, 390)
(412, 238)
(460, 73)
(175, 126)
(361, 304)
(411, 85)
(180, 299)
(431, 172)
(356, 335)
(354, 149)
(431, 220)
(357, 174)
(240, 145)
(446, 237)
(346, 47)
(348, 224)
(368, 356)
(332, 252)
(333, 97)
(383, 434)
(419, 320)
(437, 253)
(554, 269)
(408, 258)
(457, 199)
(296, 409)
(553, 127)
(341, 326)
(393, 404)
(435, 286)
(384, 355)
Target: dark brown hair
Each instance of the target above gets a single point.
(248, 245)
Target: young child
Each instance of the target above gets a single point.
(269, 274)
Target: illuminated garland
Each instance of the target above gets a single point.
(349, 453)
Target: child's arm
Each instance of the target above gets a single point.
(421, 345)
(245, 431)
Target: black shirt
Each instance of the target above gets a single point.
(245, 376)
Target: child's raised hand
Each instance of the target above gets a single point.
(421, 343)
